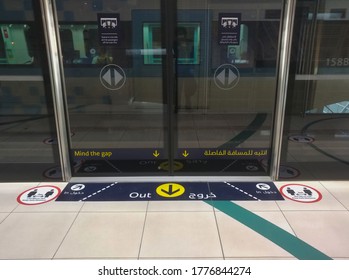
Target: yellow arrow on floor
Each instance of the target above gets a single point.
(170, 190)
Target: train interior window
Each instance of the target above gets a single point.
(188, 45)
(90, 42)
(338, 13)
(151, 42)
(3, 59)
(79, 43)
(257, 48)
(238, 54)
(15, 45)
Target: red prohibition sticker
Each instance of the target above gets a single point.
(39, 195)
(300, 193)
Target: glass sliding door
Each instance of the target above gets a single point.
(28, 138)
(316, 133)
(112, 57)
(226, 73)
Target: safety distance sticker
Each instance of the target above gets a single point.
(301, 193)
(39, 195)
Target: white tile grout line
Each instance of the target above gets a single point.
(250, 195)
(99, 191)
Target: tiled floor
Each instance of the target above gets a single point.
(168, 229)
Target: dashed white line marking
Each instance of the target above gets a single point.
(250, 195)
(99, 191)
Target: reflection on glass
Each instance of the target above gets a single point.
(79, 42)
(16, 43)
(318, 97)
(238, 54)
(188, 43)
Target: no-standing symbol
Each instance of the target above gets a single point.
(226, 76)
(300, 193)
(112, 77)
(38, 195)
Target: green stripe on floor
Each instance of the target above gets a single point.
(280, 237)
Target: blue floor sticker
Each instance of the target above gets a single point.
(116, 191)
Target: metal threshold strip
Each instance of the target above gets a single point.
(172, 179)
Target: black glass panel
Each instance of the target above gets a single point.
(316, 134)
(28, 140)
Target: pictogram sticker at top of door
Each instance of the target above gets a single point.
(109, 29)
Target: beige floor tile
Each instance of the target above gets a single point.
(327, 231)
(264, 258)
(339, 189)
(104, 235)
(9, 193)
(239, 240)
(51, 206)
(179, 206)
(3, 216)
(33, 235)
(258, 205)
(328, 202)
(115, 206)
(174, 229)
(180, 235)
(179, 259)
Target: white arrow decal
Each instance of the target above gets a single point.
(107, 77)
(117, 77)
(221, 77)
(231, 77)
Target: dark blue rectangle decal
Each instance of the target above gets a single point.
(245, 191)
(114, 191)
